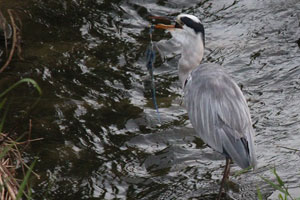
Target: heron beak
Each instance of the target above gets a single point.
(168, 20)
(163, 26)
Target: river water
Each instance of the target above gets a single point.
(101, 134)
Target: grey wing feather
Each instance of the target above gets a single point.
(219, 113)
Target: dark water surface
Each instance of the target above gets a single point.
(102, 139)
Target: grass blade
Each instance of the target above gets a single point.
(243, 171)
(277, 187)
(2, 103)
(259, 195)
(280, 196)
(4, 116)
(24, 80)
(281, 183)
(25, 181)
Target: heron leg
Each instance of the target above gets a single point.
(225, 177)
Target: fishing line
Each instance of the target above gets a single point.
(150, 54)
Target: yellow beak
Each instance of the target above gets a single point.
(163, 26)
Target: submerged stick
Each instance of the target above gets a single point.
(287, 148)
(3, 26)
(14, 43)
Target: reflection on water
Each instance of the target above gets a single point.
(101, 134)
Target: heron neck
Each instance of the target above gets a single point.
(191, 56)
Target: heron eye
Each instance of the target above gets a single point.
(177, 25)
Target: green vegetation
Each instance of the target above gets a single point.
(10, 155)
(280, 186)
(10, 146)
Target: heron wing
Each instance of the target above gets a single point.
(219, 113)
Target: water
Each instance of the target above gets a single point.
(102, 139)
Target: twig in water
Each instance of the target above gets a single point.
(29, 133)
(288, 148)
(3, 26)
(14, 42)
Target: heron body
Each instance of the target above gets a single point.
(219, 113)
(215, 104)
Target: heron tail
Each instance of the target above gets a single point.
(239, 149)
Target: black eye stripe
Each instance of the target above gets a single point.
(177, 25)
(196, 26)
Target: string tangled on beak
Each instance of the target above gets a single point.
(150, 54)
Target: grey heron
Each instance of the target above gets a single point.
(215, 104)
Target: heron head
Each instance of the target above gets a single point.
(186, 23)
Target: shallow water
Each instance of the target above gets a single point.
(102, 138)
